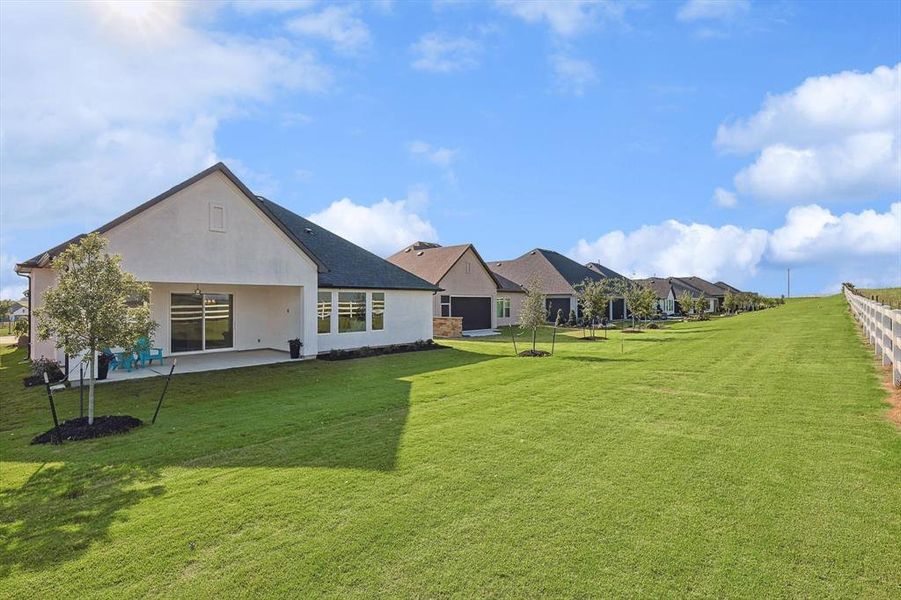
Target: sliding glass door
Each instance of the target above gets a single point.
(202, 322)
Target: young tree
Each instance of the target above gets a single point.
(94, 305)
(701, 305)
(560, 321)
(533, 312)
(686, 302)
(729, 302)
(20, 327)
(593, 298)
(642, 302)
(6, 309)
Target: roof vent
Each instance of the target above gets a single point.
(308, 230)
(420, 253)
(407, 250)
(532, 253)
(498, 264)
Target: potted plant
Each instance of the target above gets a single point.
(294, 346)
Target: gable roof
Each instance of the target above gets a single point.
(349, 266)
(661, 287)
(605, 272)
(728, 288)
(340, 263)
(432, 261)
(505, 285)
(558, 273)
(702, 285)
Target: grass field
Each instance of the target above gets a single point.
(890, 296)
(745, 456)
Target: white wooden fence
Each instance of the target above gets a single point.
(882, 326)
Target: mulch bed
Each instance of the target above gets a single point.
(534, 353)
(588, 338)
(78, 428)
(394, 349)
(632, 330)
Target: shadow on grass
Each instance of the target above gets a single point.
(343, 414)
(599, 359)
(60, 511)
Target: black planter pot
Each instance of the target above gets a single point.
(294, 347)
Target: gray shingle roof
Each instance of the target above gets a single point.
(605, 271)
(558, 273)
(661, 287)
(709, 289)
(432, 262)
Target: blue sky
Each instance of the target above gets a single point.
(725, 139)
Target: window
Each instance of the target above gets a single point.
(324, 312)
(351, 312)
(217, 217)
(503, 308)
(378, 311)
(445, 306)
(201, 322)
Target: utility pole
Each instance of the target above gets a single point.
(788, 274)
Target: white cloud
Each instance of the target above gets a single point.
(573, 75)
(832, 137)
(674, 248)
(862, 245)
(565, 18)
(813, 234)
(712, 10)
(724, 198)
(104, 105)
(382, 228)
(442, 157)
(12, 287)
(338, 25)
(439, 53)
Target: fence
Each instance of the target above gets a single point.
(882, 326)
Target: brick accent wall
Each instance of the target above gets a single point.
(447, 327)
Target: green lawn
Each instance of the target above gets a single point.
(890, 296)
(744, 456)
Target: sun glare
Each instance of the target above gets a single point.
(141, 18)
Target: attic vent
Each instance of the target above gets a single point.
(407, 249)
(308, 230)
(420, 253)
(498, 264)
(532, 253)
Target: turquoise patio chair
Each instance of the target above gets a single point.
(125, 360)
(147, 354)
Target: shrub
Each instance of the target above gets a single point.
(44, 365)
(572, 322)
(559, 321)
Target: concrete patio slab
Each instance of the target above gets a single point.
(196, 363)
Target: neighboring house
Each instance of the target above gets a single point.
(663, 289)
(728, 288)
(230, 270)
(468, 287)
(616, 309)
(559, 276)
(713, 292)
(20, 310)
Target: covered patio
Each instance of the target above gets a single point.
(195, 363)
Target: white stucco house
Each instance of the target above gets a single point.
(231, 271)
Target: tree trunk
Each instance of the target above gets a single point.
(534, 333)
(91, 389)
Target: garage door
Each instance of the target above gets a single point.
(555, 304)
(476, 312)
